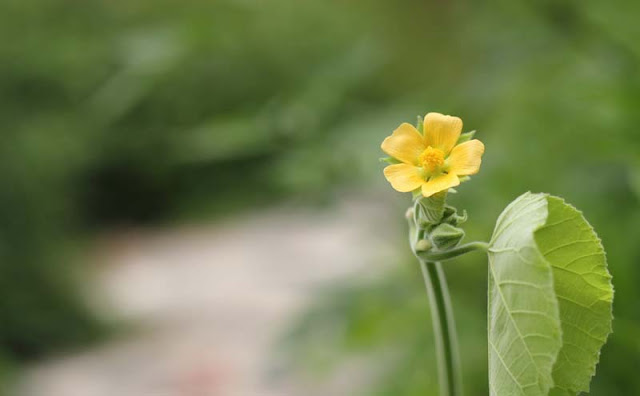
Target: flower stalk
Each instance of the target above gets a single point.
(444, 330)
(427, 218)
(429, 160)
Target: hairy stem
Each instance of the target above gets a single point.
(444, 329)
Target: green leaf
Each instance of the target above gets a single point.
(583, 290)
(524, 323)
(547, 268)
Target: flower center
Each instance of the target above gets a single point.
(431, 159)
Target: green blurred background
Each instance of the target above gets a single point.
(158, 112)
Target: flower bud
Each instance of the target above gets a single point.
(445, 236)
(409, 214)
(423, 245)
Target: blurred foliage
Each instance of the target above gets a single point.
(387, 320)
(137, 112)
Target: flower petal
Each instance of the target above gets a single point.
(442, 131)
(405, 144)
(440, 183)
(403, 177)
(465, 158)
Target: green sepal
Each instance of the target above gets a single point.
(389, 160)
(452, 217)
(431, 209)
(465, 137)
(448, 211)
(445, 236)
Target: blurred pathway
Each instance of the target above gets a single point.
(207, 303)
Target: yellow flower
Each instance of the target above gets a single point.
(431, 161)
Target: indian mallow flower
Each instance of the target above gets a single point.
(432, 161)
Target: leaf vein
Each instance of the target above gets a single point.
(518, 215)
(600, 253)
(578, 304)
(506, 367)
(515, 325)
(531, 312)
(520, 283)
(577, 241)
(567, 219)
(586, 332)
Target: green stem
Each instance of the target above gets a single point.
(444, 329)
(455, 252)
